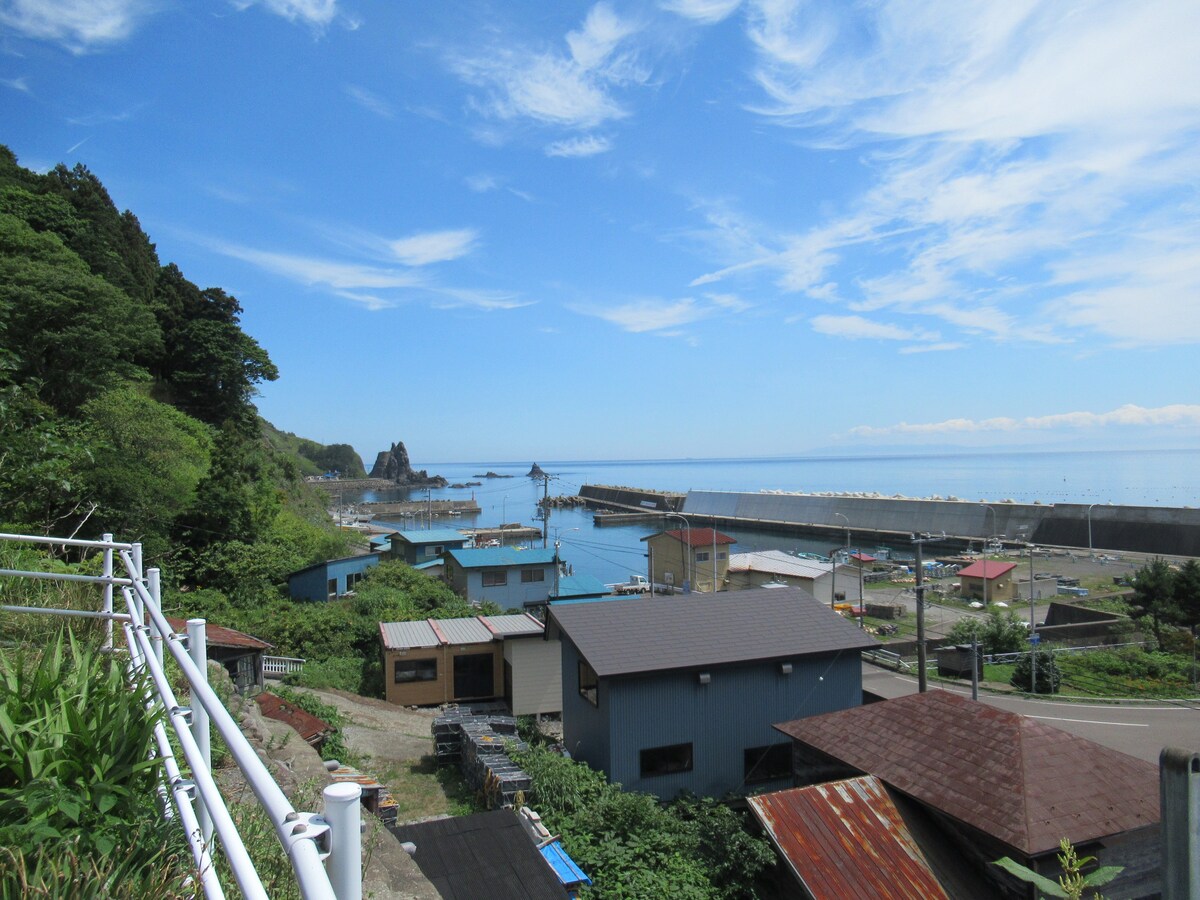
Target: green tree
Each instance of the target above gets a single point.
(1002, 631)
(147, 459)
(1154, 602)
(1186, 591)
(1049, 677)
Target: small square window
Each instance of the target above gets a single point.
(495, 578)
(770, 763)
(589, 684)
(701, 556)
(410, 670)
(529, 576)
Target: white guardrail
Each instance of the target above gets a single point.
(325, 850)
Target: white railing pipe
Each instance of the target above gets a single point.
(64, 542)
(286, 821)
(157, 633)
(198, 651)
(343, 812)
(70, 613)
(64, 576)
(108, 589)
(231, 842)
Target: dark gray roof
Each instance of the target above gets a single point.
(620, 637)
(482, 855)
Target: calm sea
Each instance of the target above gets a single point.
(1138, 478)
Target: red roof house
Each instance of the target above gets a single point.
(997, 579)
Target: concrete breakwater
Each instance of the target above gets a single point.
(1169, 531)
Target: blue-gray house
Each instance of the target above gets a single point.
(416, 547)
(508, 576)
(681, 693)
(331, 578)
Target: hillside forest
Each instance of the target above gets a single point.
(126, 407)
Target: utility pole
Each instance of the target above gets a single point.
(545, 509)
(428, 509)
(922, 677)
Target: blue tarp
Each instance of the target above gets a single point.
(564, 867)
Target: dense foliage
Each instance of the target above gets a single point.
(1165, 598)
(631, 845)
(77, 782)
(1003, 631)
(1049, 677)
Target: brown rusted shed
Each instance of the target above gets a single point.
(846, 840)
(1021, 781)
(312, 729)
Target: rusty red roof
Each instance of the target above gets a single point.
(1022, 781)
(847, 839)
(306, 724)
(220, 636)
(700, 537)
(987, 568)
(862, 557)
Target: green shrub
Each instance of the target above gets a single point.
(345, 673)
(335, 746)
(1049, 678)
(75, 768)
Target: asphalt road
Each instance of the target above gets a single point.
(1141, 729)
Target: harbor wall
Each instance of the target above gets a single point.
(1169, 531)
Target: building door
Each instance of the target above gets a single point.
(473, 675)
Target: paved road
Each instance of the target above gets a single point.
(1139, 729)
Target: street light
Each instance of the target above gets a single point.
(833, 564)
(1091, 554)
(687, 554)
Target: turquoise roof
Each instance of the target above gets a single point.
(431, 536)
(430, 564)
(500, 557)
(580, 586)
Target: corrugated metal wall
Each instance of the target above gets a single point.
(732, 713)
(585, 727)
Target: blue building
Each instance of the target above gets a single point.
(572, 588)
(331, 578)
(681, 693)
(416, 547)
(508, 576)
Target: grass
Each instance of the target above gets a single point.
(422, 788)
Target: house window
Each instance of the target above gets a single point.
(720, 554)
(666, 760)
(409, 670)
(589, 684)
(701, 556)
(528, 576)
(767, 763)
(354, 578)
(495, 578)
(331, 587)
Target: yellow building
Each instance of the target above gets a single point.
(690, 558)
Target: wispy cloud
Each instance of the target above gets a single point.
(79, 25)
(316, 271)
(1023, 161)
(482, 182)
(569, 88)
(370, 101)
(17, 84)
(590, 145)
(434, 246)
(857, 328)
(316, 14)
(704, 11)
(1175, 415)
(641, 316)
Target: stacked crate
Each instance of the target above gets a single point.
(474, 737)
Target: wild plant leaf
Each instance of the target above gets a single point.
(1053, 888)
(1102, 875)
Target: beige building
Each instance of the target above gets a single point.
(480, 658)
(749, 570)
(695, 558)
(999, 577)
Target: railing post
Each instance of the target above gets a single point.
(154, 586)
(135, 558)
(198, 651)
(343, 812)
(108, 591)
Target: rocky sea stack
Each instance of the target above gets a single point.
(393, 465)
(536, 472)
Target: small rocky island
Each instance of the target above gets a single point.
(536, 472)
(393, 465)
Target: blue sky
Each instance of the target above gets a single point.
(695, 228)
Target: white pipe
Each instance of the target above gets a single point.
(77, 613)
(108, 591)
(64, 576)
(343, 812)
(157, 633)
(198, 650)
(64, 542)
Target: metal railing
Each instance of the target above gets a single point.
(278, 666)
(325, 851)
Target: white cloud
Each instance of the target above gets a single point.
(314, 13)
(369, 101)
(478, 299)
(571, 89)
(856, 328)
(17, 84)
(1132, 416)
(578, 147)
(482, 183)
(640, 316)
(79, 25)
(706, 12)
(323, 272)
(1024, 162)
(434, 246)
